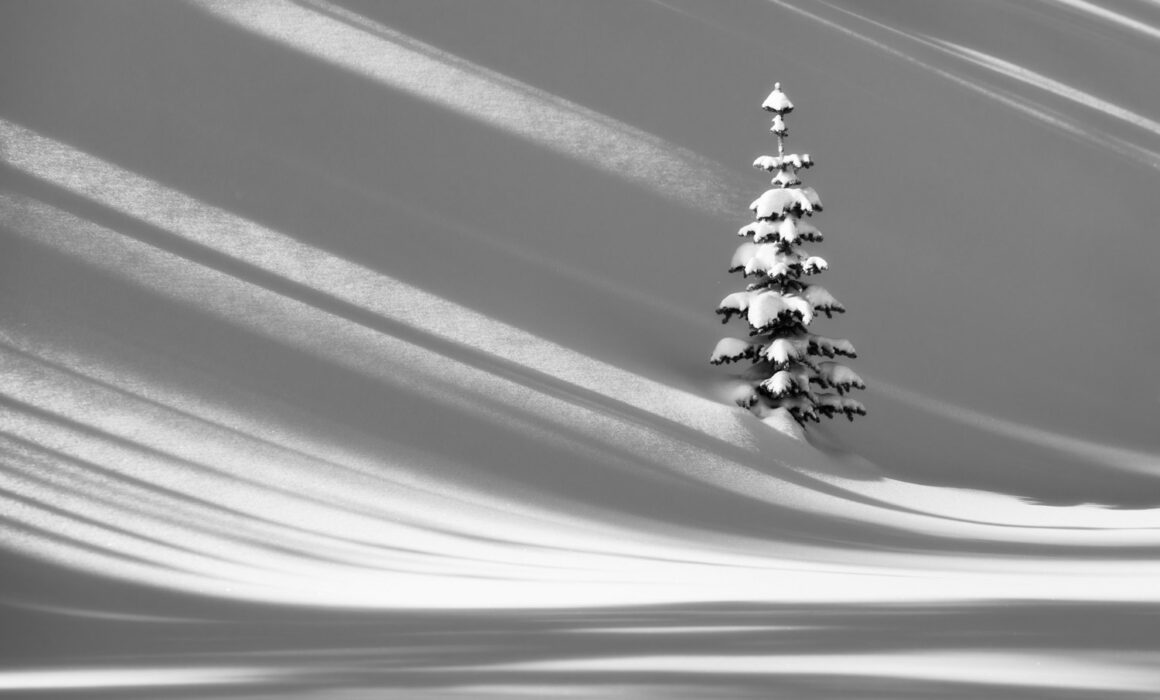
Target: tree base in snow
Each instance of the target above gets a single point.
(782, 420)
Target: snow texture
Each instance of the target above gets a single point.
(736, 303)
(272, 443)
(743, 256)
(789, 230)
(778, 202)
(785, 383)
(820, 299)
(782, 351)
(770, 260)
(829, 347)
(782, 420)
(808, 232)
(772, 308)
(831, 404)
(781, 305)
(732, 350)
(785, 178)
(774, 260)
(838, 376)
(786, 161)
(777, 101)
(779, 126)
(814, 264)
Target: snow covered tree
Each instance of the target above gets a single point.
(792, 369)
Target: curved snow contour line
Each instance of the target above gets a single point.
(197, 548)
(279, 318)
(353, 42)
(1042, 82)
(73, 679)
(1113, 17)
(111, 527)
(118, 530)
(188, 552)
(1044, 669)
(1053, 118)
(143, 199)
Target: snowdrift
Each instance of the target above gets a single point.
(322, 322)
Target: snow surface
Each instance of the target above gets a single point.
(779, 127)
(807, 231)
(779, 202)
(789, 229)
(785, 178)
(814, 264)
(766, 309)
(786, 383)
(777, 101)
(731, 350)
(770, 260)
(821, 300)
(781, 351)
(785, 161)
(735, 304)
(781, 420)
(760, 230)
(829, 347)
(743, 256)
(839, 376)
(339, 360)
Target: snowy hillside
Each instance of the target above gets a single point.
(358, 349)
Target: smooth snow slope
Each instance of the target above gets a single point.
(358, 349)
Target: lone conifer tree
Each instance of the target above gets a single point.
(788, 372)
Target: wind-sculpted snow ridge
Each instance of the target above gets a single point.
(1078, 128)
(314, 509)
(1104, 13)
(243, 513)
(345, 282)
(258, 439)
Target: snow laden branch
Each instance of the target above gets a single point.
(791, 370)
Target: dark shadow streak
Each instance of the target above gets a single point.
(312, 554)
(782, 526)
(165, 240)
(319, 650)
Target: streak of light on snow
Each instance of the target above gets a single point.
(1114, 17)
(358, 44)
(1030, 77)
(72, 679)
(1076, 129)
(251, 512)
(349, 282)
(1048, 669)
